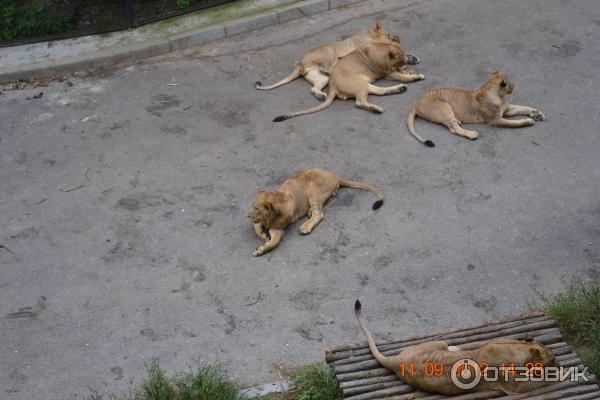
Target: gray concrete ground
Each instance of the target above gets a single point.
(126, 198)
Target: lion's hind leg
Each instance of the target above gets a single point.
(316, 214)
(362, 101)
(318, 81)
(441, 112)
(432, 345)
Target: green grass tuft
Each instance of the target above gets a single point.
(315, 382)
(577, 312)
(157, 386)
(208, 383)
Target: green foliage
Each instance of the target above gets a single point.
(183, 3)
(157, 386)
(577, 312)
(28, 20)
(209, 382)
(315, 382)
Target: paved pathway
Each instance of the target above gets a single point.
(126, 198)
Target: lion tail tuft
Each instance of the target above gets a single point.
(410, 123)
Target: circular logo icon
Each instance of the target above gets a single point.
(465, 373)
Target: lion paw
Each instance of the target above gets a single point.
(257, 252)
(305, 230)
(265, 237)
(376, 109)
(319, 95)
(537, 115)
(412, 60)
(398, 89)
(421, 76)
(472, 134)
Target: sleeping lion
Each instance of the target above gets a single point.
(317, 64)
(354, 74)
(488, 104)
(428, 366)
(303, 193)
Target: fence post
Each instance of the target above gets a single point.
(129, 13)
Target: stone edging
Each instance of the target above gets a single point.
(104, 58)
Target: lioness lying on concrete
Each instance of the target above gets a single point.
(453, 107)
(318, 63)
(304, 192)
(429, 366)
(353, 76)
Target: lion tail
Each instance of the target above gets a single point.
(296, 73)
(410, 123)
(364, 186)
(381, 359)
(322, 106)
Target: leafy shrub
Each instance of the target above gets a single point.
(28, 20)
(183, 3)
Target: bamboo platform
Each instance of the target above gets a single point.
(362, 378)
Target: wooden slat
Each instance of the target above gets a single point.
(473, 328)
(522, 330)
(359, 386)
(362, 378)
(550, 335)
(362, 348)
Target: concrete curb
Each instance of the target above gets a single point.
(267, 389)
(105, 58)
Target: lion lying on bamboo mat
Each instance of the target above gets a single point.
(433, 366)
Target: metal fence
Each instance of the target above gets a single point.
(87, 17)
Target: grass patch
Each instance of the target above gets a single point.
(315, 382)
(209, 382)
(577, 312)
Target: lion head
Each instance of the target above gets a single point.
(264, 207)
(541, 353)
(385, 57)
(505, 86)
(379, 35)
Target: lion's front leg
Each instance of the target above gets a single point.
(513, 123)
(261, 232)
(405, 76)
(276, 235)
(533, 113)
(383, 91)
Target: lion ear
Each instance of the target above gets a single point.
(268, 206)
(535, 352)
(396, 39)
(377, 26)
(529, 339)
(496, 72)
(259, 190)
